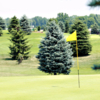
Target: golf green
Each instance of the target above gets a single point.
(60, 87)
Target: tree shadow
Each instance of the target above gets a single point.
(82, 55)
(7, 59)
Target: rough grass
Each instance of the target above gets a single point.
(50, 88)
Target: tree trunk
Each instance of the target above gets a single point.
(55, 73)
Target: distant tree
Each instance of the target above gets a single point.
(90, 21)
(62, 17)
(2, 24)
(39, 28)
(84, 46)
(19, 48)
(72, 20)
(25, 26)
(55, 54)
(13, 23)
(66, 26)
(53, 19)
(62, 26)
(1, 33)
(82, 18)
(94, 29)
(7, 22)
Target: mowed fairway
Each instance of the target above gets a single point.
(61, 87)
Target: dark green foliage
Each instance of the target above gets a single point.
(82, 18)
(38, 28)
(25, 26)
(2, 24)
(13, 23)
(96, 67)
(66, 27)
(84, 46)
(39, 21)
(19, 44)
(55, 54)
(62, 17)
(94, 3)
(94, 29)
(52, 19)
(62, 26)
(1, 33)
(90, 21)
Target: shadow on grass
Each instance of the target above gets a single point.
(82, 55)
(7, 59)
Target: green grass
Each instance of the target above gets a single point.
(26, 82)
(50, 88)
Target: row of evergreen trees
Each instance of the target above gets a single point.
(24, 24)
(55, 54)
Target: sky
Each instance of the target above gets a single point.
(45, 8)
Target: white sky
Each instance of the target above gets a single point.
(45, 8)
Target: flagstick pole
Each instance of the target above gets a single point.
(77, 64)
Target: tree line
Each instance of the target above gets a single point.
(39, 21)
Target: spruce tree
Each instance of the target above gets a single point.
(62, 26)
(55, 54)
(13, 23)
(84, 46)
(66, 26)
(2, 24)
(1, 33)
(25, 26)
(19, 47)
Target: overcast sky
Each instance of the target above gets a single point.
(45, 8)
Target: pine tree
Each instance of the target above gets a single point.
(84, 46)
(2, 24)
(94, 29)
(1, 33)
(25, 26)
(19, 48)
(62, 26)
(13, 23)
(55, 54)
(66, 27)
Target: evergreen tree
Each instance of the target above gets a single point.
(94, 3)
(39, 28)
(1, 33)
(55, 54)
(19, 44)
(2, 24)
(13, 23)
(25, 26)
(66, 27)
(94, 29)
(62, 26)
(84, 46)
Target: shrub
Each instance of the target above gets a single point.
(96, 67)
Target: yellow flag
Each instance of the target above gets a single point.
(72, 37)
